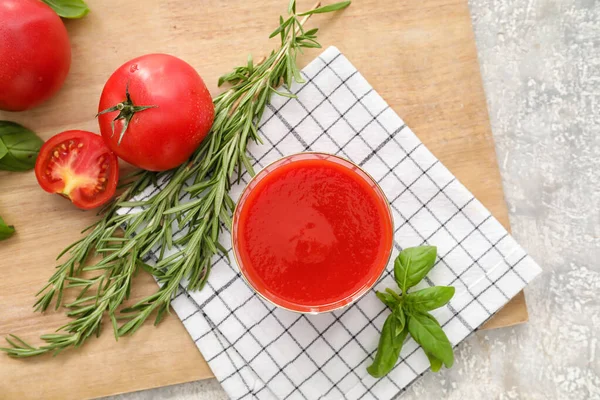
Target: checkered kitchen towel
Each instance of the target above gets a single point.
(258, 351)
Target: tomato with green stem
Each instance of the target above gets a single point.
(154, 111)
(79, 166)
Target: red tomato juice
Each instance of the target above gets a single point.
(312, 232)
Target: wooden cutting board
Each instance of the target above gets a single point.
(419, 55)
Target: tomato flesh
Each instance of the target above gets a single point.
(35, 53)
(79, 166)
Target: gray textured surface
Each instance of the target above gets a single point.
(540, 63)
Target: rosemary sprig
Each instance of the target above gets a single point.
(149, 223)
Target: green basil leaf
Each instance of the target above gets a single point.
(430, 298)
(22, 147)
(3, 149)
(387, 299)
(436, 364)
(388, 350)
(400, 320)
(69, 8)
(325, 9)
(426, 331)
(412, 265)
(6, 231)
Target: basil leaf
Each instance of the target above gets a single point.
(389, 348)
(430, 298)
(69, 8)
(387, 299)
(400, 320)
(6, 231)
(436, 364)
(426, 331)
(22, 147)
(3, 149)
(325, 9)
(411, 266)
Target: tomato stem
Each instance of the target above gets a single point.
(126, 112)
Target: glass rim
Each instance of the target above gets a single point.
(338, 304)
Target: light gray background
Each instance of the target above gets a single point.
(540, 61)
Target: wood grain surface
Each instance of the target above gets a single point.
(419, 55)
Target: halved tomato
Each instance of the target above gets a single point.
(79, 166)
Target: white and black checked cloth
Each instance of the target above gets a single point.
(258, 351)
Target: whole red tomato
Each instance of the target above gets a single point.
(35, 54)
(79, 166)
(154, 112)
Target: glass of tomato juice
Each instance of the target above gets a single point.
(312, 232)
